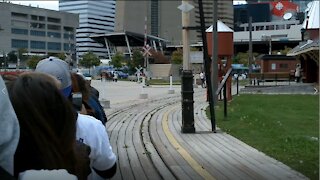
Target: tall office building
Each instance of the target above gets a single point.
(164, 18)
(95, 17)
(39, 31)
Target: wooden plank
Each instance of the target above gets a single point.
(152, 153)
(123, 159)
(213, 162)
(167, 152)
(131, 151)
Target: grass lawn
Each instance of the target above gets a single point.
(285, 127)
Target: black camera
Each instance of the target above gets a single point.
(77, 101)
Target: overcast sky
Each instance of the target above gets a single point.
(54, 5)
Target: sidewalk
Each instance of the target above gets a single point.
(146, 136)
(124, 91)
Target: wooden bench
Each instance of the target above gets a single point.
(256, 78)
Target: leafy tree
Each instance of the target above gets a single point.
(33, 61)
(22, 51)
(137, 60)
(89, 59)
(282, 51)
(117, 60)
(61, 56)
(177, 57)
(243, 58)
(12, 57)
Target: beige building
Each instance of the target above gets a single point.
(164, 18)
(39, 31)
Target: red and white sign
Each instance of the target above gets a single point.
(279, 8)
(146, 50)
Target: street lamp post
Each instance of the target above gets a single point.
(187, 75)
(269, 39)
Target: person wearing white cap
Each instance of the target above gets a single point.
(89, 130)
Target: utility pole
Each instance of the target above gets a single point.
(187, 76)
(250, 45)
(214, 60)
(207, 64)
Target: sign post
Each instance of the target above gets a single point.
(171, 90)
(187, 75)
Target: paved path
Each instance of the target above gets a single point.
(145, 135)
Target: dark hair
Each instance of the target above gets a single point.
(47, 124)
(79, 84)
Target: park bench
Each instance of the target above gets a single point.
(256, 78)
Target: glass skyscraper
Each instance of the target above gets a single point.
(95, 17)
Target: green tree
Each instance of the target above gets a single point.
(61, 56)
(177, 57)
(21, 52)
(243, 58)
(33, 61)
(137, 60)
(117, 60)
(89, 59)
(12, 57)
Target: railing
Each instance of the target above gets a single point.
(223, 85)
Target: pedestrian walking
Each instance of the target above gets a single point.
(297, 73)
(115, 76)
(202, 77)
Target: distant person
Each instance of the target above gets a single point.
(202, 77)
(115, 76)
(9, 134)
(47, 126)
(90, 131)
(89, 105)
(297, 73)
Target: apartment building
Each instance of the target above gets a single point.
(39, 31)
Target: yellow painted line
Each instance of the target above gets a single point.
(193, 163)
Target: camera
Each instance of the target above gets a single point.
(77, 101)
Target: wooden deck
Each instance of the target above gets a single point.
(149, 145)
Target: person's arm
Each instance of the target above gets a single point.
(104, 160)
(109, 173)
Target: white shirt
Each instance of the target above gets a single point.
(201, 75)
(93, 133)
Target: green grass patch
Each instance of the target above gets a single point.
(285, 127)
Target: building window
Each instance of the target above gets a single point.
(66, 28)
(53, 34)
(37, 18)
(38, 45)
(37, 33)
(273, 66)
(19, 15)
(54, 27)
(37, 25)
(54, 46)
(17, 43)
(19, 31)
(66, 47)
(283, 66)
(67, 36)
(54, 20)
